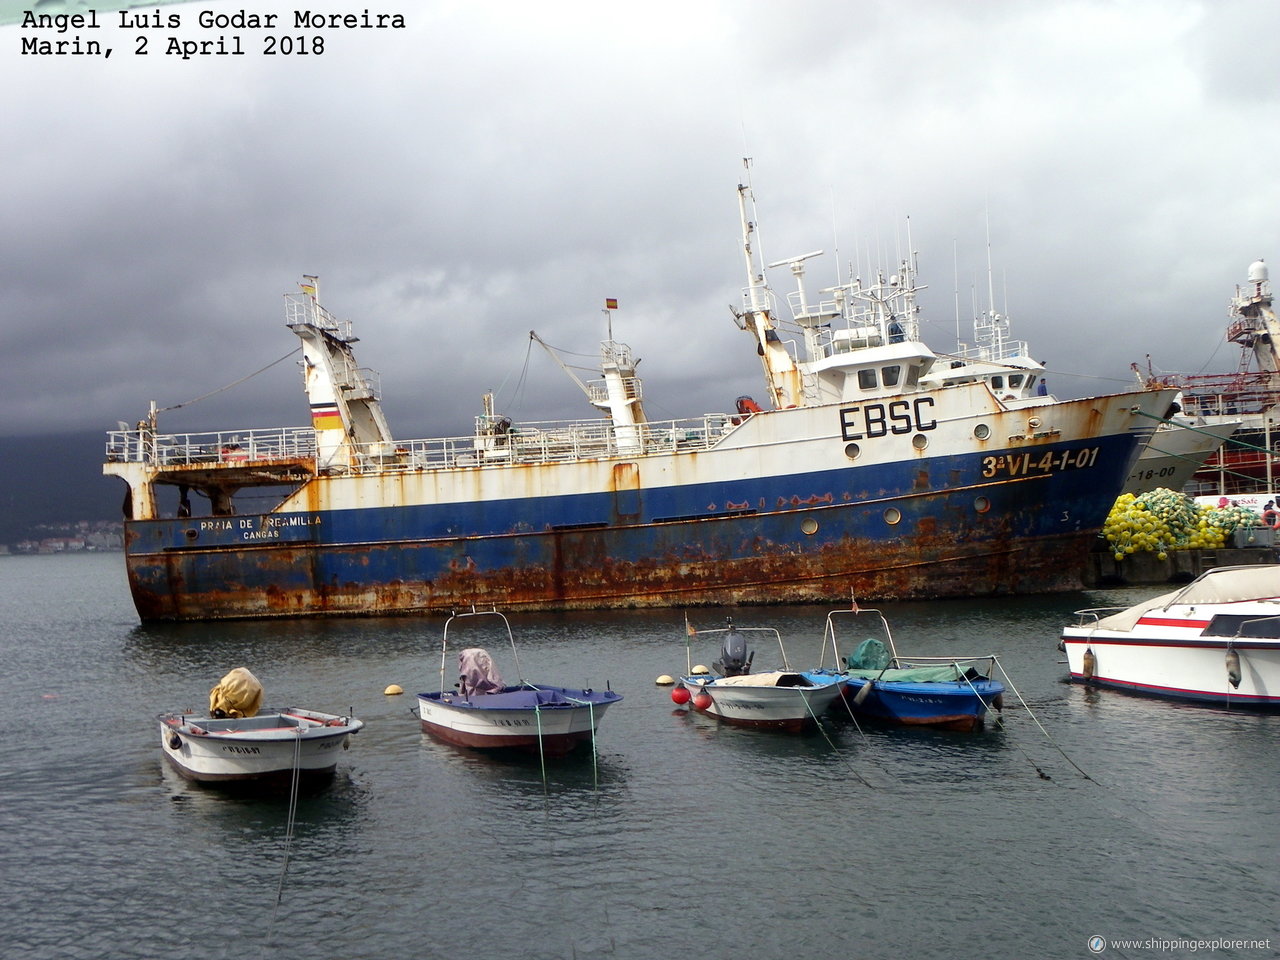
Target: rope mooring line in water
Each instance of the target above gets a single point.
(290, 820)
(542, 753)
(999, 721)
(852, 716)
(595, 754)
(1048, 736)
(831, 743)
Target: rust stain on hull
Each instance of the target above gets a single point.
(583, 578)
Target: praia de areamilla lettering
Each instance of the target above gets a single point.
(267, 30)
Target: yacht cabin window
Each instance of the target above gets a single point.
(1232, 625)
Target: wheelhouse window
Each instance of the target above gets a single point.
(890, 376)
(866, 379)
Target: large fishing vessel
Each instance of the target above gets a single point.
(873, 466)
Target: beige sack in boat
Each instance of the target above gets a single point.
(238, 694)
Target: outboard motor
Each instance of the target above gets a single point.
(735, 658)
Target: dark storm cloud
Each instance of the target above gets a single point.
(498, 168)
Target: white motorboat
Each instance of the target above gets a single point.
(783, 699)
(1215, 640)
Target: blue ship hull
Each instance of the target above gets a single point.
(936, 527)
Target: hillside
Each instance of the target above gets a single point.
(54, 480)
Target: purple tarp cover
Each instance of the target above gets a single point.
(477, 672)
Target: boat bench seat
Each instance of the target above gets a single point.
(271, 722)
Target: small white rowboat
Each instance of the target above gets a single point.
(268, 746)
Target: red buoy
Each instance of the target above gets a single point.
(680, 695)
(702, 701)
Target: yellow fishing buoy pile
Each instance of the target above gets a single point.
(1164, 520)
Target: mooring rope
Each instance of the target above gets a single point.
(844, 699)
(290, 820)
(595, 754)
(542, 753)
(821, 729)
(1004, 673)
(595, 757)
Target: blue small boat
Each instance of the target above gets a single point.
(952, 693)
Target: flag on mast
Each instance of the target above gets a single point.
(610, 303)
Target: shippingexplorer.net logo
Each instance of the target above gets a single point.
(1102, 944)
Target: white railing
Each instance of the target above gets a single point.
(986, 351)
(598, 390)
(302, 309)
(1093, 615)
(526, 443)
(228, 446)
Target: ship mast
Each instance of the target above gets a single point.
(619, 393)
(346, 411)
(1255, 326)
(782, 376)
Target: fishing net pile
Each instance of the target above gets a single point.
(1164, 520)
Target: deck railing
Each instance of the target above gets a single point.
(525, 443)
(227, 446)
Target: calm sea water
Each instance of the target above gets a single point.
(684, 839)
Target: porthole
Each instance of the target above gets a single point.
(920, 441)
(981, 504)
(1033, 423)
(852, 451)
(809, 526)
(892, 515)
(982, 431)
(190, 533)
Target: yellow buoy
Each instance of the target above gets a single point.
(701, 668)
(392, 690)
(665, 681)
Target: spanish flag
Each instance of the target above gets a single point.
(325, 416)
(610, 304)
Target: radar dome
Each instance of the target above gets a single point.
(1257, 271)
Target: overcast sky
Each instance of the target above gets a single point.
(496, 168)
